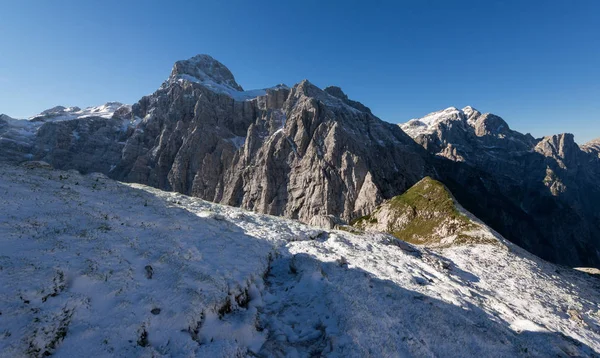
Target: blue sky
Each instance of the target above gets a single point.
(535, 63)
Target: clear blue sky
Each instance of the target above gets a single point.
(535, 63)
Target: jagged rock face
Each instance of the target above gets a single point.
(561, 147)
(70, 138)
(327, 159)
(539, 193)
(186, 139)
(467, 135)
(301, 153)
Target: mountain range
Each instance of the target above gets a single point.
(317, 156)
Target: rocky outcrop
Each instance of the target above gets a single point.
(427, 214)
(561, 148)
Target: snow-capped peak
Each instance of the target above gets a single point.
(468, 111)
(61, 113)
(427, 124)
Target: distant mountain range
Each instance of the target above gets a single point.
(315, 155)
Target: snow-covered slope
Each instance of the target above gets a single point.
(61, 113)
(19, 128)
(94, 267)
(224, 89)
(428, 124)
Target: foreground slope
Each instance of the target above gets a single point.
(89, 266)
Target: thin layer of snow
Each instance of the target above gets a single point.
(93, 267)
(225, 89)
(238, 141)
(62, 114)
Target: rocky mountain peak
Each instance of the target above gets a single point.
(331, 96)
(593, 143)
(559, 146)
(490, 124)
(4, 117)
(61, 113)
(471, 114)
(204, 68)
(592, 146)
(432, 122)
(307, 88)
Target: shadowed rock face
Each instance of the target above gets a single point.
(87, 144)
(542, 194)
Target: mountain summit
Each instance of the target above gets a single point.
(204, 68)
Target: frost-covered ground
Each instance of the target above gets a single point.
(94, 267)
